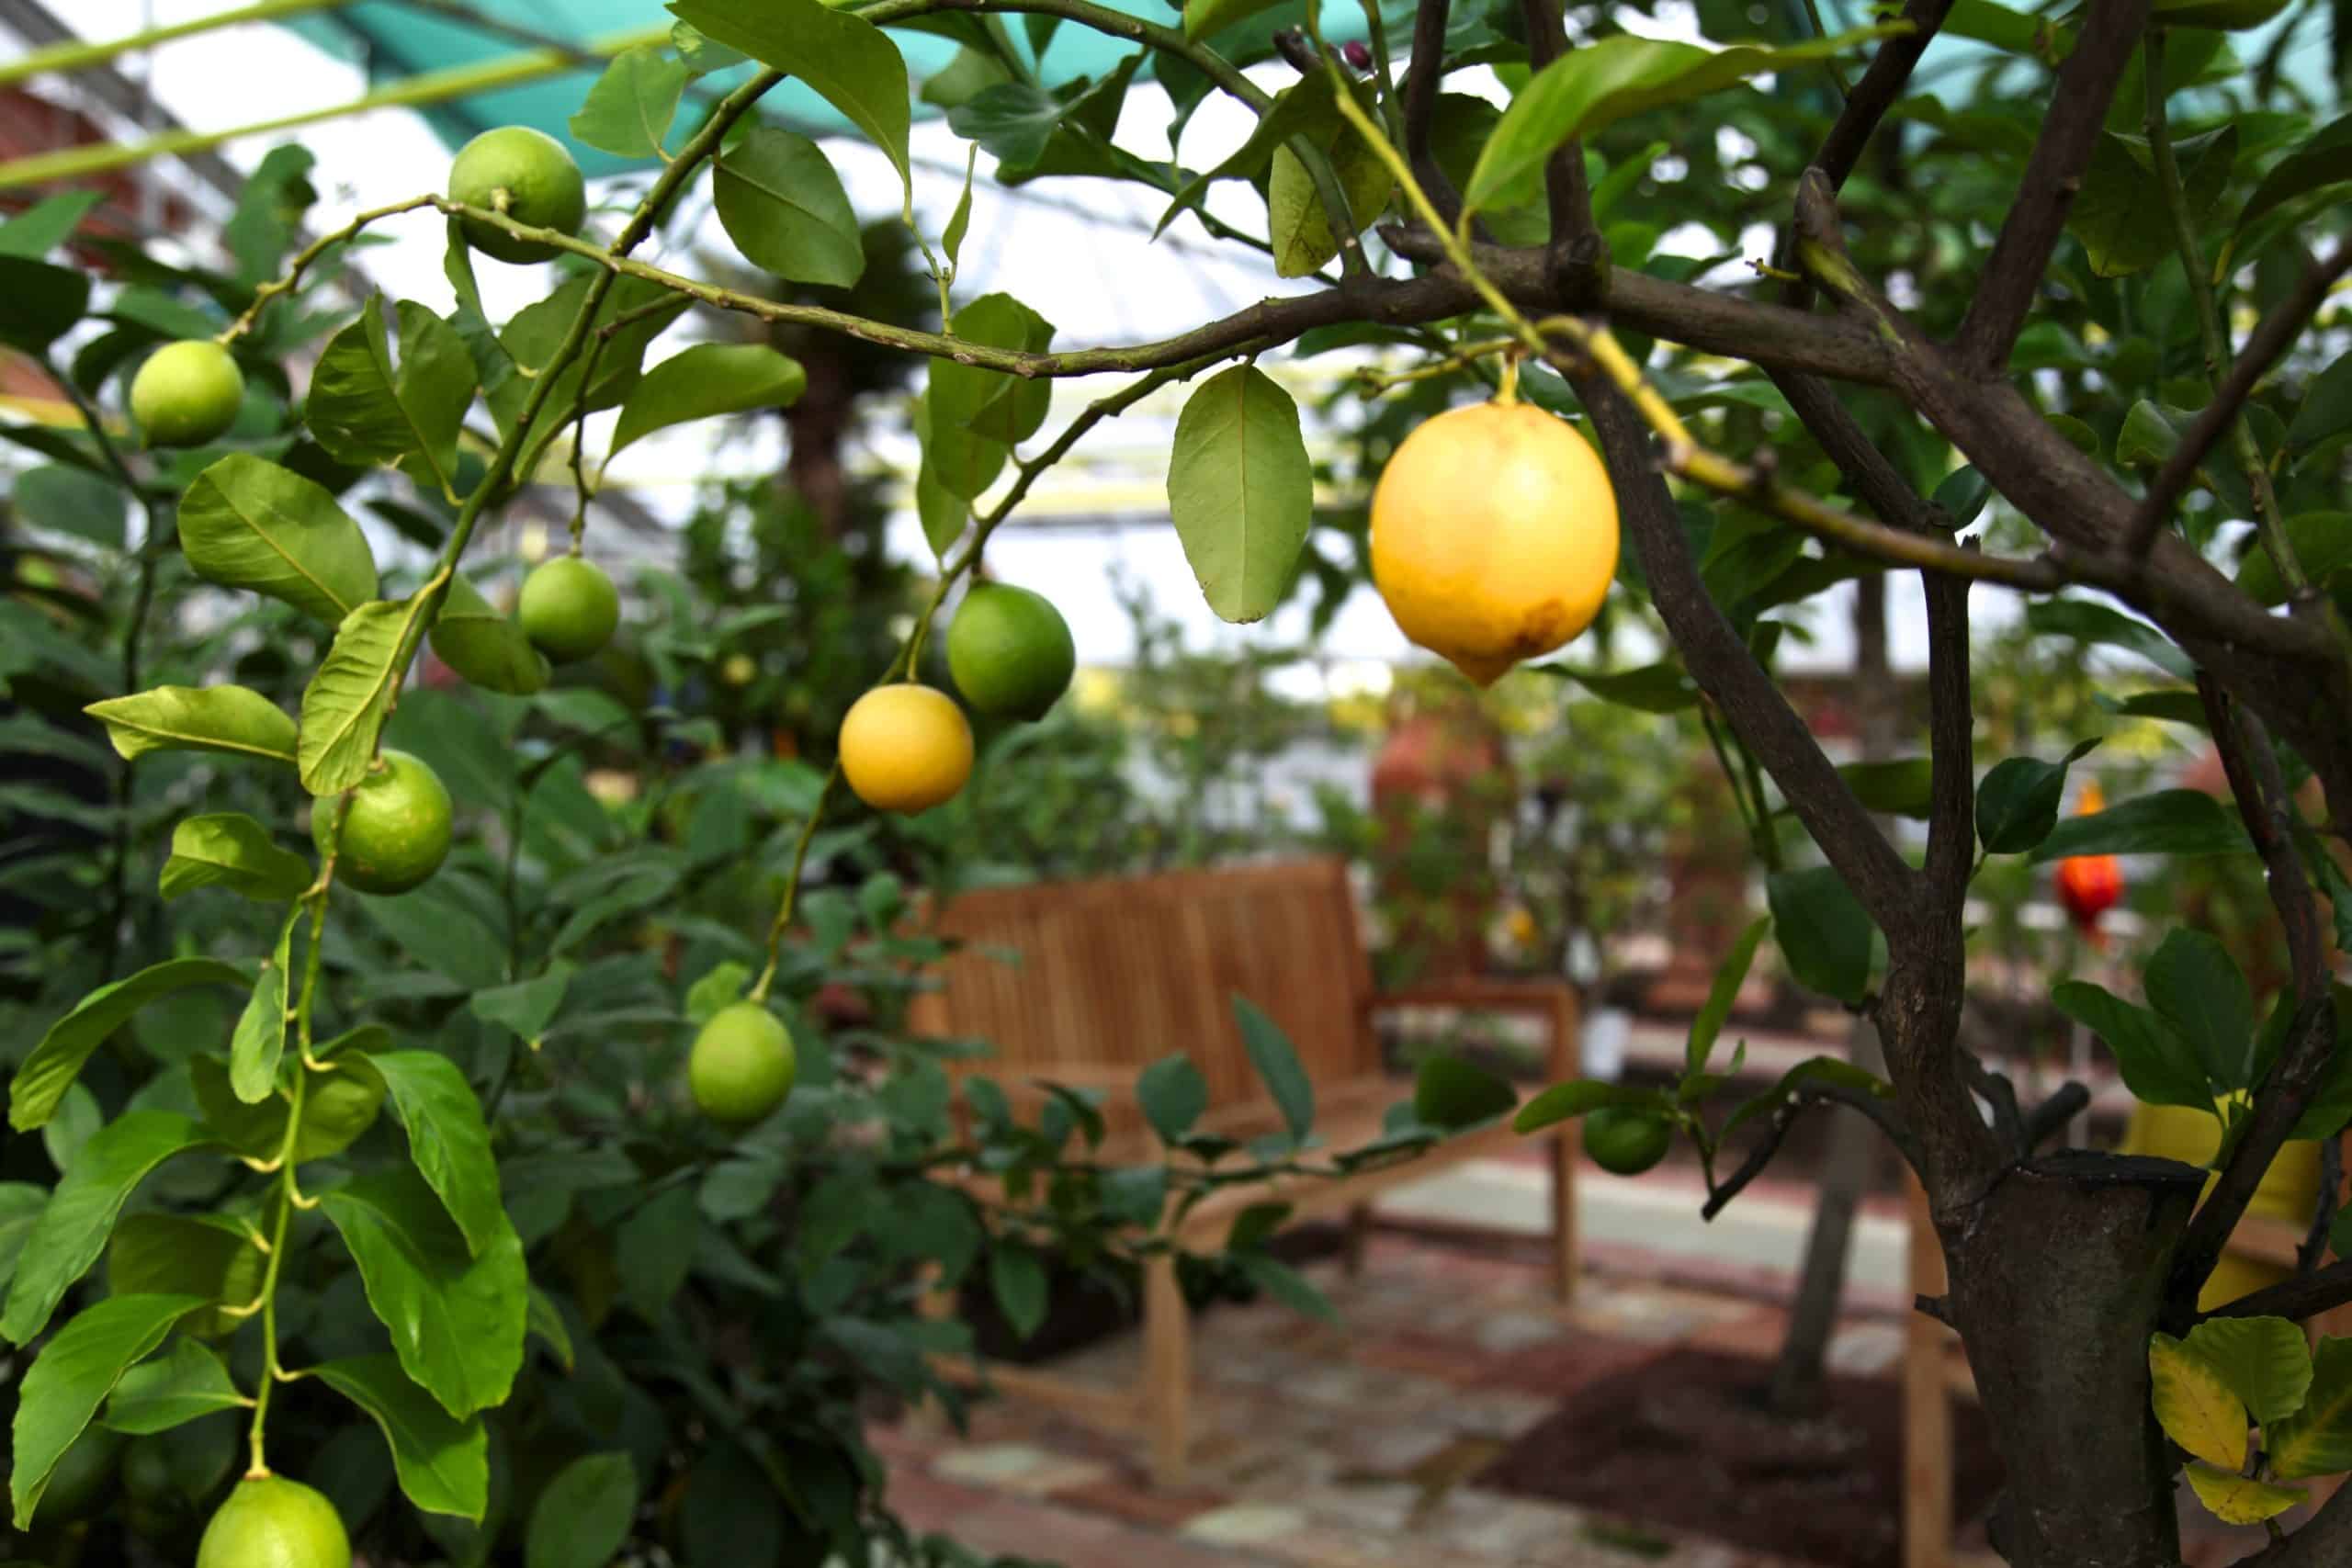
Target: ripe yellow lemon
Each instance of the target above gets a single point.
(905, 747)
(1494, 536)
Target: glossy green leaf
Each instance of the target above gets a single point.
(487, 648)
(457, 1321)
(2324, 159)
(1173, 1095)
(2018, 804)
(448, 1140)
(39, 303)
(1307, 107)
(186, 1255)
(708, 379)
(1722, 993)
(337, 1107)
(2264, 1360)
(975, 414)
(20, 1206)
(1813, 1069)
(228, 849)
(1653, 688)
(2121, 215)
(782, 205)
(653, 1250)
(847, 61)
(344, 704)
(627, 112)
(44, 1075)
(259, 1041)
(583, 1517)
(525, 1006)
(1241, 490)
(951, 238)
(443, 1464)
(721, 988)
(47, 223)
(1276, 1060)
(1204, 19)
(2159, 1068)
(2322, 542)
(72, 1376)
(1296, 217)
(941, 511)
(249, 524)
(181, 1385)
(1451, 1093)
(2317, 1438)
(1597, 85)
(2169, 821)
(229, 719)
(1018, 1281)
(1823, 931)
(2194, 985)
(363, 412)
(71, 501)
(75, 1226)
(1566, 1101)
(2095, 623)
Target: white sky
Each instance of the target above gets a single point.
(1083, 256)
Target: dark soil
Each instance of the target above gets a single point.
(1683, 1442)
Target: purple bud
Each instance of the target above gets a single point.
(1358, 53)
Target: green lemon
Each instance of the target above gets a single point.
(1009, 651)
(540, 182)
(187, 393)
(78, 1483)
(742, 1064)
(569, 608)
(275, 1523)
(396, 833)
(1626, 1141)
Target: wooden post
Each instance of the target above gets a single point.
(1359, 1233)
(1567, 1249)
(1168, 1369)
(1926, 1402)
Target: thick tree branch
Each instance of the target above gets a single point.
(1784, 1116)
(2272, 337)
(1952, 743)
(1867, 468)
(1421, 85)
(2021, 260)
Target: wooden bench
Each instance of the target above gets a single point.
(1086, 984)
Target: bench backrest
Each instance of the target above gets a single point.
(1087, 983)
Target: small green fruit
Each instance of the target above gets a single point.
(396, 833)
(569, 608)
(275, 1523)
(1626, 1141)
(540, 184)
(187, 393)
(742, 1064)
(1009, 651)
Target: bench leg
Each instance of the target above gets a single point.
(1358, 1231)
(1927, 1405)
(1566, 1244)
(1168, 1371)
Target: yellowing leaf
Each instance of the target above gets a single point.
(2317, 1440)
(2196, 1407)
(2235, 1500)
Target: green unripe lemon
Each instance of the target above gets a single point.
(1009, 651)
(541, 183)
(742, 1064)
(396, 833)
(78, 1484)
(1626, 1141)
(569, 608)
(187, 393)
(275, 1523)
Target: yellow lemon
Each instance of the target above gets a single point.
(1494, 536)
(2289, 1189)
(906, 747)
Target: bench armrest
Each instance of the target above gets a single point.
(1553, 1000)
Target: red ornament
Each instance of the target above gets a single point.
(2089, 885)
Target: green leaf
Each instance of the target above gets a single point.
(46, 224)
(2324, 159)
(364, 413)
(2237, 1499)
(722, 987)
(197, 719)
(2264, 1360)
(486, 648)
(20, 1206)
(1018, 1281)
(43, 1077)
(448, 1140)
(1813, 1069)
(782, 205)
(1596, 85)
(71, 502)
(2194, 1405)
(627, 112)
(336, 1109)
(2121, 215)
(583, 1517)
(184, 1383)
(72, 1375)
(2147, 437)
(1307, 107)
(259, 1041)
(969, 407)
(248, 524)
(1295, 218)
(1730, 975)
(545, 1321)
(847, 60)
(1013, 120)
(1899, 787)
(344, 704)
(707, 379)
(1451, 1093)
(73, 1229)
(2194, 985)
(701, 55)
(443, 1465)
(2018, 804)
(1566, 1101)
(951, 238)
(942, 511)
(39, 303)
(2088, 622)
(525, 1006)
(1288, 1286)
(1173, 1096)
(654, 1249)
(1825, 933)
(2322, 542)
(2159, 1068)
(456, 1322)
(438, 928)
(2168, 822)
(960, 79)
(186, 1255)
(1276, 1060)
(636, 310)
(1203, 18)
(1241, 490)
(228, 849)
(2317, 1438)
(1653, 688)
(2174, 704)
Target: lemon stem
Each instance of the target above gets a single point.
(1507, 393)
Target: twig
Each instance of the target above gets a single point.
(306, 258)
(1422, 84)
(1889, 73)
(1951, 746)
(1776, 1128)
(1999, 1093)
(2331, 1188)
(1566, 194)
(2305, 1296)
(2044, 1120)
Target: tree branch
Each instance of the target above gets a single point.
(2306, 1296)
(2276, 333)
(1882, 85)
(2054, 174)
(2323, 1542)
(1421, 85)
(1998, 1091)
(2331, 1188)
(1567, 196)
(2044, 1120)
(1952, 742)
(1784, 1117)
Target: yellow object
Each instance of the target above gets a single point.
(2288, 1191)
(906, 747)
(1494, 536)
(2195, 1408)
